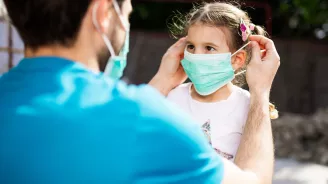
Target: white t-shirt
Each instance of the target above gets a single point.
(222, 121)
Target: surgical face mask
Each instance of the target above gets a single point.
(209, 72)
(116, 63)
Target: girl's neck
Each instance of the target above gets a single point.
(221, 94)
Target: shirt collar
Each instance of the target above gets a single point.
(48, 63)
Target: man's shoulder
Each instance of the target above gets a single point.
(155, 111)
(149, 102)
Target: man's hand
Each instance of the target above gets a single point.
(262, 69)
(170, 73)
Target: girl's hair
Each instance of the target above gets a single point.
(225, 15)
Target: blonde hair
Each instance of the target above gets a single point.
(225, 15)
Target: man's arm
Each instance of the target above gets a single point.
(254, 159)
(255, 152)
(255, 156)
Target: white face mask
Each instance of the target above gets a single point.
(116, 63)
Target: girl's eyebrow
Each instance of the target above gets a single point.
(206, 43)
(211, 43)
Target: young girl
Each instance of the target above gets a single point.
(215, 59)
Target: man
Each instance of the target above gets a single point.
(63, 121)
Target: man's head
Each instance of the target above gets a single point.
(69, 24)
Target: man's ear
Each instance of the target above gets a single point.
(239, 60)
(103, 14)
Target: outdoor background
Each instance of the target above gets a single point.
(299, 29)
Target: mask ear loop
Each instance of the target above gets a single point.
(109, 65)
(239, 73)
(119, 13)
(241, 48)
(105, 38)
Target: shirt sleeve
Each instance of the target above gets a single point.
(171, 148)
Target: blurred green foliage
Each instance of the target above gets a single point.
(291, 18)
(313, 12)
(306, 16)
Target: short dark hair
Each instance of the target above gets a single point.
(47, 22)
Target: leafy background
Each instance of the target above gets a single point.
(305, 19)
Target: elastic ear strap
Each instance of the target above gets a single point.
(119, 13)
(105, 38)
(109, 45)
(108, 68)
(239, 73)
(241, 48)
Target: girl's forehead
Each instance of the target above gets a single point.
(206, 33)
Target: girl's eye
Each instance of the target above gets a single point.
(209, 48)
(190, 47)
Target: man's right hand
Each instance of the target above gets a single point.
(170, 73)
(262, 69)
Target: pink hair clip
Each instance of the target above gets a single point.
(244, 31)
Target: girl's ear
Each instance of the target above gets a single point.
(239, 60)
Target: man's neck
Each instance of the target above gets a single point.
(75, 54)
(221, 94)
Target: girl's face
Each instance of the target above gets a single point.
(204, 39)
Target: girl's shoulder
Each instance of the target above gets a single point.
(243, 94)
(180, 91)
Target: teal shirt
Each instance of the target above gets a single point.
(62, 124)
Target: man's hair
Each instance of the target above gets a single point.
(47, 22)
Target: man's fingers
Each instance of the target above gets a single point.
(263, 53)
(263, 41)
(177, 49)
(268, 45)
(180, 43)
(256, 52)
(262, 47)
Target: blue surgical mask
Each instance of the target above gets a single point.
(116, 63)
(209, 72)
